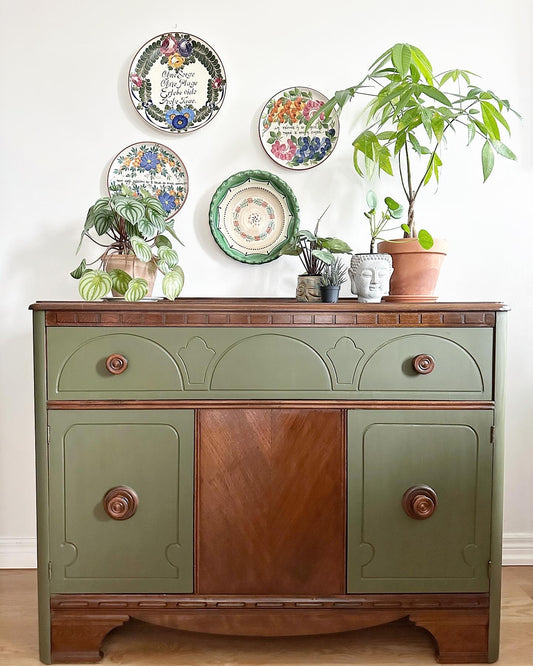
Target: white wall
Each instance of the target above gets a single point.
(66, 113)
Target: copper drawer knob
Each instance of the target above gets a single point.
(121, 503)
(424, 364)
(419, 502)
(116, 364)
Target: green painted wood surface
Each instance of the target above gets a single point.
(41, 467)
(388, 452)
(241, 363)
(151, 452)
(497, 493)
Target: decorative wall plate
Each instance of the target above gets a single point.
(252, 216)
(177, 82)
(152, 167)
(282, 129)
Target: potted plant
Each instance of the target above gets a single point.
(411, 112)
(333, 276)
(133, 230)
(370, 272)
(315, 253)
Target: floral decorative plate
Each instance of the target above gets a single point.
(282, 129)
(252, 216)
(152, 167)
(177, 82)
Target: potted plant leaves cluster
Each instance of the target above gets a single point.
(315, 253)
(411, 112)
(333, 276)
(134, 234)
(370, 272)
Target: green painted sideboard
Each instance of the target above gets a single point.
(267, 467)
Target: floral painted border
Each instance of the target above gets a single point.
(154, 168)
(282, 128)
(176, 50)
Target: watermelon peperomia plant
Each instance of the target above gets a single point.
(126, 224)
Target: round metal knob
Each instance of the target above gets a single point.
(420, 502)
(116, 364)
(424, 364)
(120, 503)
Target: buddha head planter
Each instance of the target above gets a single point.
(370, 276)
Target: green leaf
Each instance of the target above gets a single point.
(422, 63)
(145, 227)
(173, 283)
(471, 132)
(437, 123)
(324, 255)
(487, 159)
(371, 199)
(128, 208)
(103, 220)
(137, 289)
(94, 285)
(406, 229)
(162, 241)
(169, 256)
(120, 280)
(425, 239)
(392, 204)
(436, 94)
(303, 233)
(78, 272)
(141, 248)
(502, 149)
(487, 113)
(401, 58)
(335, 245)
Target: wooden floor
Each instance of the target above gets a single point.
(147, 645)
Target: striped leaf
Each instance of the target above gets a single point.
(94, 285)
(173, 283)
(128, 208)
(137, 289)
(169, 256)
(141, 248)
(120, 280)
(78, 272)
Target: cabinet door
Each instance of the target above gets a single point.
(419, 500)
(271, 502)
(146, 460)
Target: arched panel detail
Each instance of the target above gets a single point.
(271, 362)
(391, 367)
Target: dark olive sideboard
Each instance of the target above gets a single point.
(264, 467)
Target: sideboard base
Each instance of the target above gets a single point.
(457, 622)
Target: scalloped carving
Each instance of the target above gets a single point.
(345, 357)
(196, 357)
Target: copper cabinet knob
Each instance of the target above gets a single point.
(116, 364)
(120, 503)
(424, 364)
(419, 502)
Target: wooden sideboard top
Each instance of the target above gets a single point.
(266, 312)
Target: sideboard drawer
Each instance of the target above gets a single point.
(269, 363)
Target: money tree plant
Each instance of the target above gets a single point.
(411, 112)
(127, 224)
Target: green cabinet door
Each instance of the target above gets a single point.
(94, 545)
(419, 500)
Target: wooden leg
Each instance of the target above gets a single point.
(462, 637)
(76, 638)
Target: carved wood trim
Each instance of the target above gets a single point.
(138, 602)
(269, 404)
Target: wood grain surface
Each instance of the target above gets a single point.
(271, 498)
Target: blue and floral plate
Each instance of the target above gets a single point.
(177, 82)
(282, 129)
(154, 168)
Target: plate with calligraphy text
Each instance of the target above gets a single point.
(177, 82)
(283, 132)
(152, 168)
(253, 214)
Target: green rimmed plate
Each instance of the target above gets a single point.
(253, 214)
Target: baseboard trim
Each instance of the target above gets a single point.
(18, 552)
(21, 552)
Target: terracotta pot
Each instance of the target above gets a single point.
(134, 267)
(308, 289)
(416, 270)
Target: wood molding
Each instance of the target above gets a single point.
(270, 404)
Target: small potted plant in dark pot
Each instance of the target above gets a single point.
(333, 276)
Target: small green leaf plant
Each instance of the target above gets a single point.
(315, 251)
(334, 274)
(411, 112)
(379, 223)
(127, 224)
